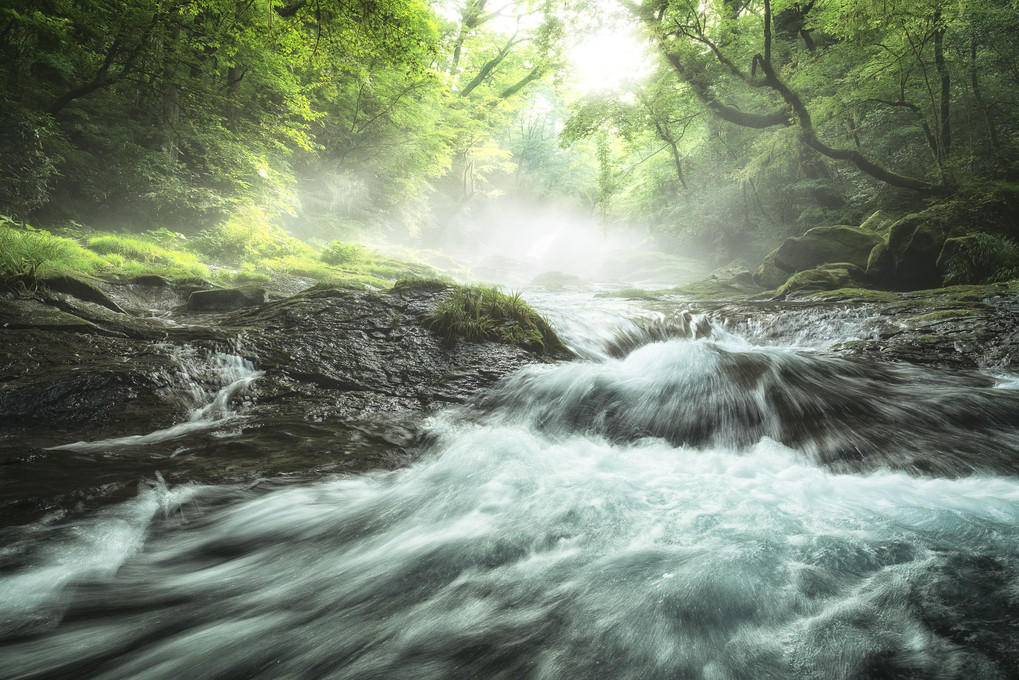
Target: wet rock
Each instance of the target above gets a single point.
(225, 299)
(80, 289)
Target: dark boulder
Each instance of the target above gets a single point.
(769, 276)
(80, 289)
(824, 277)
(225, 299)
(914, 244)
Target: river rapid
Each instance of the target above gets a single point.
(685, 501)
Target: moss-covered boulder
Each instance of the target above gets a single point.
(878, 222)
(914, 244)
(769, 276)
(825, 277)
(880, 268)
(823, 245)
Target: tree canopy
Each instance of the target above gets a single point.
(748, 118)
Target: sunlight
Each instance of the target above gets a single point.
(608, 60)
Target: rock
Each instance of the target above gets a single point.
(150, 280)
(914, 244)
(225, 299)
(822, 245)
(878, 222)
(769, 276)
(81, 290)
(880, 268)
(557, 281)
(825, 277)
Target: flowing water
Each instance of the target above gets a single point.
(691, 507)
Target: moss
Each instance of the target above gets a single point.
(483, 313)
(631, 294)
(854, 294)
(850, 344)
(421, 284)
(945, 315)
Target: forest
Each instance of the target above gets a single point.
(509, 339)
(710, 129)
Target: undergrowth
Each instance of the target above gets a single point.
(27, 255)
(231, 254)
(982, 258)
(479, 313)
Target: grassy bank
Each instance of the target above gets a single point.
(227, 256)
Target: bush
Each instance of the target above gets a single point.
(249, 234)
(979, 258)
(339, 252)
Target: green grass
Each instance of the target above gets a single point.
(242, 254)
(28, 255)
(136, 256)
(484, 313)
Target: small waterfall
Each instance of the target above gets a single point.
(209, 385)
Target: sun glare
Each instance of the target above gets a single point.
(608, 60)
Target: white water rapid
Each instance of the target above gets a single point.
(633, 517)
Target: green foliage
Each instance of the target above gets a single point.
(339, 252)
(27, 255)
(483, 313)
(137, 256)
(981, 258)
(249, 233)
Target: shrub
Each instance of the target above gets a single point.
(979, 258)
(339, 252)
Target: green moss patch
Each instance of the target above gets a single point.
(484, 313)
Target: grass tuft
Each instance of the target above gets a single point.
(483, 313)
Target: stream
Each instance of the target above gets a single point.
(677, 503)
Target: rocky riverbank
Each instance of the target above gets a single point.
(328, 379)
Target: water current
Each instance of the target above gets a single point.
(689, 505)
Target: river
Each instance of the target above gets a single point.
(711, 506)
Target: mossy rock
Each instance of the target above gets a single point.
(880, 268)
(878, 222)
(769, 276)
(823, 245)
(557, 281)
(819, 279)
(225, 299)
(978, 258)
(914, 245)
